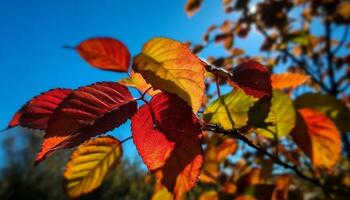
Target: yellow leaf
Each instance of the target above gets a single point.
(230, 110)
(136, 80)
(281, 118)
(162, 194)
(288, 80)
(209, 195)
(318, 137)
(170, 66)
(90, 163)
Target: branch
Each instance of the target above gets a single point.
(343, 40)
(334, 88)
(239, 136)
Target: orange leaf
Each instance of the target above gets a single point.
(85, 113)
(288, 80)
(168, 137)
(227, 147)
(192, 6)
(105, 53)
(318, 137)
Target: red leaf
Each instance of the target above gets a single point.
(37, 112)
(85, 113)
(253, 78)
(105, 53)
(171, 148)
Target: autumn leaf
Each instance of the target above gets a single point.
(343, 9)
(281, 118)
(90, 163)
(162, 194)
(318, 137)
(105, 53)
(168, 137)
(170, 66)
(209, 195)
(136, 80)
(192, 6)
(328, 105)
(253, 78)
(230, 110)
(37, 112)
(226, 148)
(288, 80)
(87, 112)
(210, 169)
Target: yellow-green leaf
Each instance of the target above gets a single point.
(281, 118)
(328, 105)
(170, 66)
(90, 163)
(230, 111)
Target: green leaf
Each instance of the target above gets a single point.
(230, 111)
(281, 118)
(329, 105)
(300, 38)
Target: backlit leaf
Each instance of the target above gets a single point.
(87, 112)
(226, 148)
(318, 137)
(288, 80)
(170, 146)
(170, 66)
(281, 118)
(37, 112)
(230, 110)
(328, 105)
(90, 163)
(253, 78)
(105, 53)
(136, 80)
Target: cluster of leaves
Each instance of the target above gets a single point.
(186, 133)
(167, 133)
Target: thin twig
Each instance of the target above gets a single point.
(126, 139)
